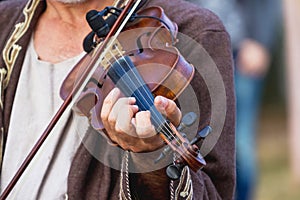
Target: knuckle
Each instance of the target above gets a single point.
(108, 101)
(172, 107)
(111, 120)
(146, 131)
(104, 116)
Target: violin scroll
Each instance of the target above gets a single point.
(174, 170)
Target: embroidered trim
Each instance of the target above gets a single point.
(2, 77)
(10, 53)
(1, 145)
(12, 49)
(66, 197)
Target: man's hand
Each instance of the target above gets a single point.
(130, 128)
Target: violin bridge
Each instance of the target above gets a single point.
(113, 52)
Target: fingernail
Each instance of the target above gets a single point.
(135, 107)
(115, 91)
(131, 100)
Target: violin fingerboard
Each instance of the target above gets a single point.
(127, 78)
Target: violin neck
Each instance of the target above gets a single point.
(126, 77)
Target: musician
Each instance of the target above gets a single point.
(40, 43)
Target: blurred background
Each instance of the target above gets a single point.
(265, 41)
(278, 138)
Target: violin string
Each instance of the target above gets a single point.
(170, 135)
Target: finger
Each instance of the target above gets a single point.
(120, 109)
(108, 103)
(144, 127)
(168, 108)
(124, 119)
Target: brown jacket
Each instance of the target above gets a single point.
(89, 178)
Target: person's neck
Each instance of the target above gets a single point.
(65, 27)
(74, 13)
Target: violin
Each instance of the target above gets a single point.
(137, 55)
(143, 63)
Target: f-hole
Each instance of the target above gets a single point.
(139, 42)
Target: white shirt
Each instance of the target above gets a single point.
(37, 100)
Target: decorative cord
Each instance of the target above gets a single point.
(184, 188)
(187, 191)
(172, 197)
(124, 171)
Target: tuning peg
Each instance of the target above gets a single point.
(187, 120)
(201, 134)
(174, 171)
